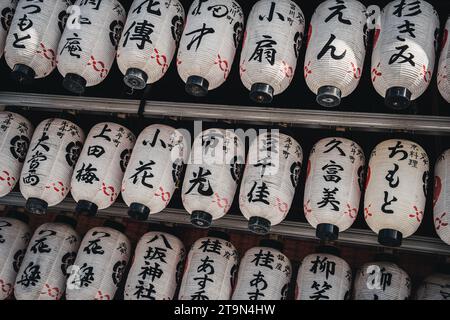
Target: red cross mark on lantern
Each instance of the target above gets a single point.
(51, 292)
(426, 74)
(223, 65)
(242, 69)
(222, 203)
(5, 176)
(281, 206)
(352, 212)
(48, 54)
(165, 195)
(367, 212)
(98, 66)
(306, 208)
(356, 71)
(288, 71)
(439, 221)
(308, 71)
(6, 287)
(109, 191)
(161, 60)
(418, 214)
(101, 296)
(442, 76)
(58, 187)
(376, 73)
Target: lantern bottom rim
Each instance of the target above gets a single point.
(329, 96)
(398, 98)
(135, 78)
(197, 86)
(259, 225)
(74, 83)
(327, 231)
(23, 73)
(86, 207)
(36, 206)
(138, 211)
(390, 237)
(201, 219)
(261, 93)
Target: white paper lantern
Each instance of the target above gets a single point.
(154, 170)
(47, 262)
(15, 138)
(323, 276)
(441, 197)
(336, 50)
(149, 41)
(100, 263)
(396, 188)
(210, 269)
(443, 75)
(33, 38)
(333, 186)
(381, 281)
(89, 42)
(156, 269)
(7, 10)
(264, 273)
(98, 175)
(48, 167)
(434, 287)
(271, 48)
(271, 175)
(14, 237)
(211, 178)
(404, 51)
(208, 45)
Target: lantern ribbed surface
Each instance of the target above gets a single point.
(441, 197)
(271, 175)
(208, 45)
(333, 184)
(15, 136)
(443, 75)
(212, 175)
(7, 10)
(53, 153)
(154, 170)
(99, 266)
(14, 238)
(323, 276)
(47, 262)
(381, 281)
(209, 270)
(149, 41)
(434, 287)
(88, 46)
(336, 50)
(98, 175)
(271, 47)
(404, 51)
(156, 269)
(396, 187)
(33, 38)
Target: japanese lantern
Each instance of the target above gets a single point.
(443, 76)
(333, 186)
(154, 170)
(15, 138)
(264, 273)
(434, 287)
(404, 51)
(98, 175)
(396, 188)
(271, 175)
(211, 177)
(271, 47)
(7, 10)
(33, 38)
(14, 237)
(47, 262)
(208, 45)
(441, 197)
(149, 41)
(100, 263)
(156, 269)
(48, 167)
(88, 45)
(323, 276)
(209, 269)
(336, 50)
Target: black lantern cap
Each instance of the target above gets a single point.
(74, 83)
(329, 96)
(327, 232)
(197, 86)
(259, 225)
(86, 207)
(135, 78)
(398, 98)
(219, 234)
(22, 73)
(328, 249)
(138, 211)
(390, 237)
(270, 243)
(201, 219)
(114, 225)
(19, 216)
(66, 220)
(36, 206)
(261, 93)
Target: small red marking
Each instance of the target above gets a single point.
(98, 66)
(439, 221)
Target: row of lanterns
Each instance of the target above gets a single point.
(55, 262)
(56, 159)
(83, 49)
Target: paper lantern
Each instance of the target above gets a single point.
(210, 269)
(271, 47)
(98, 175)
(154, 170)
(323, 276)
(208, 45)
(264, 273)
(396, 188)
(15, 138)
(443, 75)
(100, 263)
(404, 51)
(47, 262)
(149, 41)
(333, 186)
(336, 50)
(434, 287)
(14, 237)
(271, 175)
(156, 269)
(48, 167)
(441, 197)
(212, 174)
(7, 10)
(88, 45)
(33, 38)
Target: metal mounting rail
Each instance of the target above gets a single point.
(290, 229)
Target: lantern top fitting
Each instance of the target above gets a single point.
(66, 220)
(23, 74)
(398, 98)
(259, 225)
(36, 206)
(201, 219)
(197, 86)
(329, 96)
(18, 216)
(261, 93)
(219, 234)
(271, 243)
(138, 211)
(74, 83)
(87, 208)
(114, 225)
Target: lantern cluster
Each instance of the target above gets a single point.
(441, 197)
(434, 287)
(7, 10)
